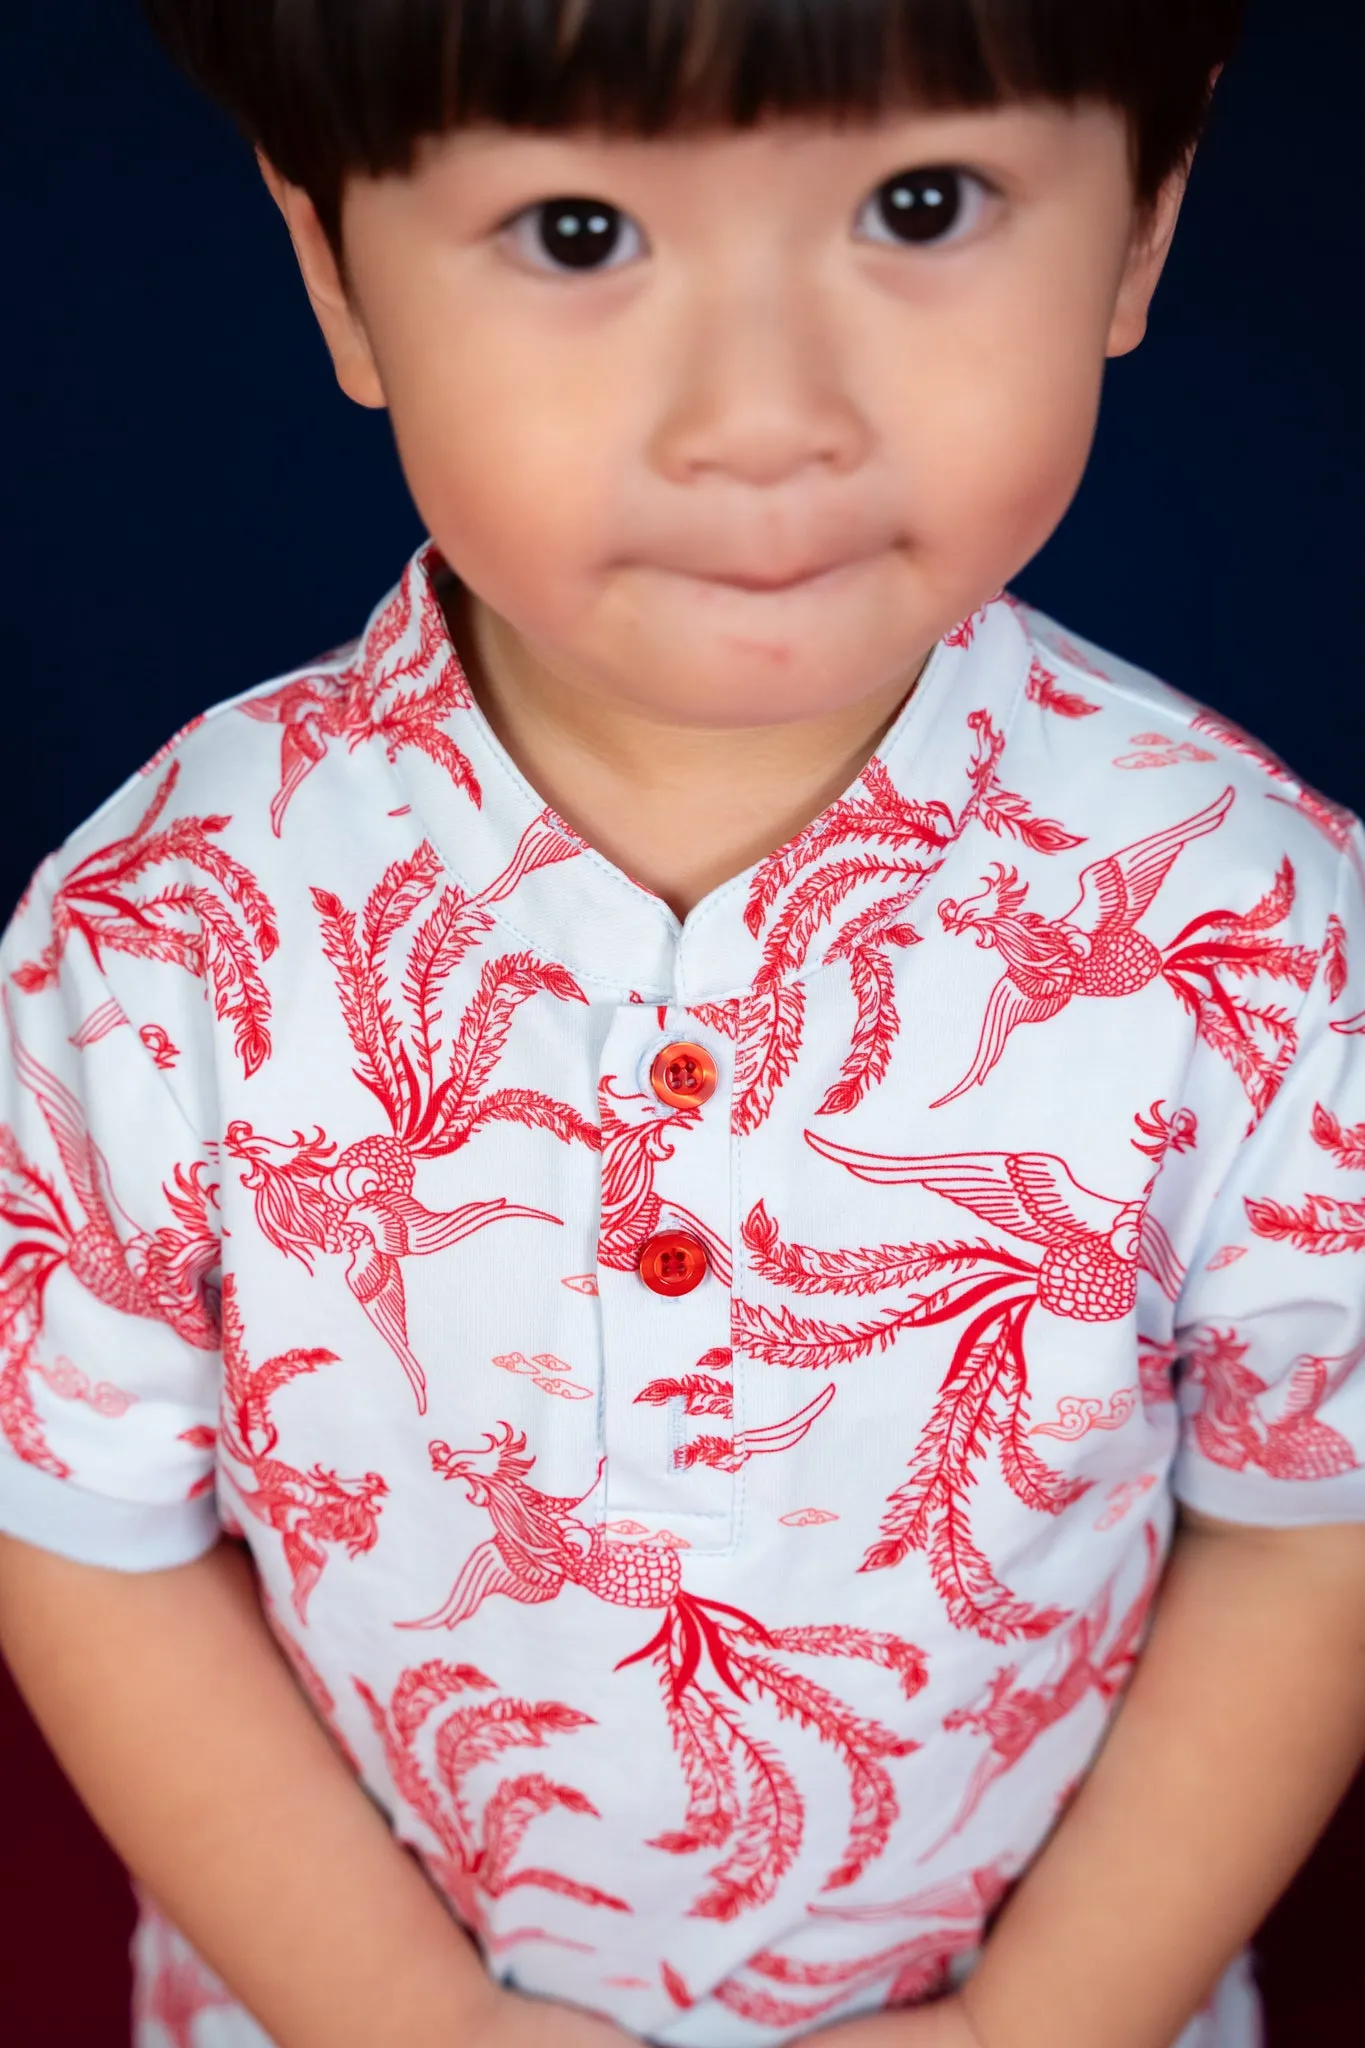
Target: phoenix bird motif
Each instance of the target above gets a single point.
(541, 1546)
(359, 1204)
(402, 686)
(208, 915)
(794, 1991)
(162, 1274)
(308, 1509)
(1093, 1246)
(1094, 950)
(1013, 1717)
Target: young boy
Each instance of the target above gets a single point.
(679, 1194)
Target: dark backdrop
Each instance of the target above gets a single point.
(190, 506)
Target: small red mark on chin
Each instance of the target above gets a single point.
(778, 654)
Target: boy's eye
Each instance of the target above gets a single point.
(574, 234)
(937, 204)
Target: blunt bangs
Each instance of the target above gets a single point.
(327, 88)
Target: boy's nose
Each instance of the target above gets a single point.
(757, 397)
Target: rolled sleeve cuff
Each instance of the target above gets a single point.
(92, 1528)
(1265, 1503)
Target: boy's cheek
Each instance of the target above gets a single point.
(995, 449)
(535, 473)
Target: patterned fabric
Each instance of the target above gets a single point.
(1031, 1197)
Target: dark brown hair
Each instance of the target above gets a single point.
(331, 87)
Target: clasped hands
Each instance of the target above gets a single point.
(512, 2020)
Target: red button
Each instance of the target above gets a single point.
(684, 1076)
(673, 1263)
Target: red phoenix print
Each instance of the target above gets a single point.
(174, 1989)
(222, 933)
(1332, 820)
(1161, 1133)
(634, 1146)
(1096, 950)
(1345, 1146)
(917, 1964)
(159, 1044)
(435, 1112)
(1044, 689)
(706, 1391)
(400, 697)
(1013, 1716)
(163, 1275)
(888, 840)
(108, 1017)
(1078, 1414)
(1322, 1224)
(1335, 965)
(360, 1202)
(1092, 1250)
(472, 1864)
(1159, 750)
(540, 1546)
(1230, 1430)
(1157, 1363)
(310, 1508)
(963, 634)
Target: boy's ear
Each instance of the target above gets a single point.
(337, 315)
(1153, 229)
(1147, 253)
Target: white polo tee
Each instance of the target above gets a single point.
(706, 1402)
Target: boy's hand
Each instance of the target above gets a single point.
(510, 2019)
(944, 2024)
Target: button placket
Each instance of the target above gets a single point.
(664, 1276)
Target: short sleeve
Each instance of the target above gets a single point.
(1270, 1324)
(109, 1264)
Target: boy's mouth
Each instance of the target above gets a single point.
(775, 583)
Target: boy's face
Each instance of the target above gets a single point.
(747, 463)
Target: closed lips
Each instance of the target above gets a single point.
(736, 579)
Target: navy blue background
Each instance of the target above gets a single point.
(195, 507)
(190, 506)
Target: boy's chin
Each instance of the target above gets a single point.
(744, 688)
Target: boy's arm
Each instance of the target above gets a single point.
(174, 1715)
(1241, 1729)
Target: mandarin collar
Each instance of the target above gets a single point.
(621, 942)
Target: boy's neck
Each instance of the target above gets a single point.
(678, 808)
